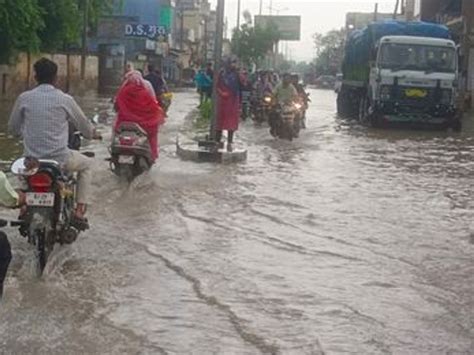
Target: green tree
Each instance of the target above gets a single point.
(20, 22)
(49, 25)
(63, 21)
(329, 51)
(62, 24)
(252, 43)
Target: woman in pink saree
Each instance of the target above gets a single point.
(228, 101)
(136, 102)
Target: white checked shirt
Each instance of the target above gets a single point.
(41, 117)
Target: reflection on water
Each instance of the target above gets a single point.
(347, 240)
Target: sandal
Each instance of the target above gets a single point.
(81, 224)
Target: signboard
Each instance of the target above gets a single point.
(186, 5)
(288, 26)
(152, 32)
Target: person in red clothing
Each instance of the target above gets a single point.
(229, 87)
(136, 102)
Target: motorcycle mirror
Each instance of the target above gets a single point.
(25, 166)
(3, 223)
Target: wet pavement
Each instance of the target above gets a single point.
(347, 241)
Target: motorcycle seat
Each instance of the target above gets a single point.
(131, 126)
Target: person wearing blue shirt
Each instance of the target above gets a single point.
(204, 86)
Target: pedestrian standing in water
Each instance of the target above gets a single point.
(229, 87)
(204, 86)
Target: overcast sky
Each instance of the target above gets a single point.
(317, 16)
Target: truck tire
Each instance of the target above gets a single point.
(363, 115)
(456, 125)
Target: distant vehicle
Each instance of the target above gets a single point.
(325, 82)
(338, 83)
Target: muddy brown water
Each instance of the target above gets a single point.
(346, 241)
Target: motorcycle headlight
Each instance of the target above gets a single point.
(267, 99)
(446, 96)
(298, 106)
(385, 93)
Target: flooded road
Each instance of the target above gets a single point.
(346, 241)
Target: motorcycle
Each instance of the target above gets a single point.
(130, 152)
(287, 121)
(165, 100)
(246, 103)
(263, 109)
(47, 219)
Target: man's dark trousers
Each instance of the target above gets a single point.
(5, 258)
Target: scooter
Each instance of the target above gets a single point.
(130, 151)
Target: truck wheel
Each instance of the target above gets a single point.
(364, 111)
(456, 125)
(340, 105)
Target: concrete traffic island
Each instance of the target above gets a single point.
(204, 152)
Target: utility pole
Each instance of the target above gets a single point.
(206, 39)
(261, 8)
(271, 7)
(84, 37)
(238, 15)
(395, 12)
(410, 10)
(217, 62)
(181, 28)
(467, 15)
(376, 12)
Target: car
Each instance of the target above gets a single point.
(325, 82)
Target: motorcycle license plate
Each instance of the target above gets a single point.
(40, 199)
(126, 159)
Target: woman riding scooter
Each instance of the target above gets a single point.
(136, 103)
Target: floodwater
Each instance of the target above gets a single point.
(347, 241)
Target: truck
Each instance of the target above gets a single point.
(398, 72)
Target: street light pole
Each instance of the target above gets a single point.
(261, 8)
(238, 15)
(217, 63)
(467, 9)
(206, 40)
(181, 29)
(84, 38)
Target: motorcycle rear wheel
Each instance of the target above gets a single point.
(43, 249)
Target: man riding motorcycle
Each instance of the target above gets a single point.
(160, 86)
(303, 97)
(41, 117)
(262, 89)
(284, 94)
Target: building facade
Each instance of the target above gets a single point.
(458, 15)
(175, 35)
